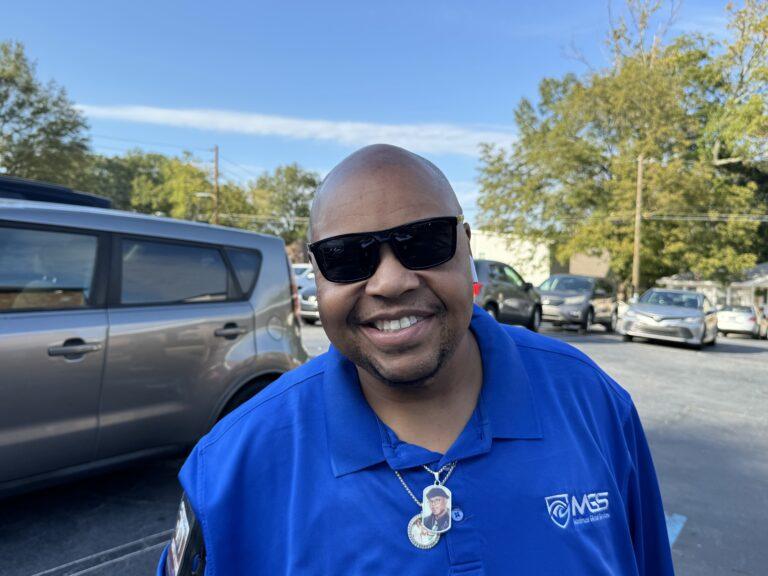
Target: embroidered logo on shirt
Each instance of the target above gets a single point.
(583, 509)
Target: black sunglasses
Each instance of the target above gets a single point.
(417, 245)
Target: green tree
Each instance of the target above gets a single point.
(283, 199)
(42, 135)
(570, 177)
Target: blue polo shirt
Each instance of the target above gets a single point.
(553, 475)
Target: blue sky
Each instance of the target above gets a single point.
(277, 82)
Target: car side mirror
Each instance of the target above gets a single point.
(527, 286)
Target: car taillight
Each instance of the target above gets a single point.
(476, 287)
(295, 297)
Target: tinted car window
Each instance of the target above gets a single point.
(166, 273)
(606, 286)
(512, 276)
(567, 284)
(246, 265)
(45, 269)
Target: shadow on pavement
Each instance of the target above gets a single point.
(52, 527)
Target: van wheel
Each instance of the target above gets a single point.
(492, 310)
(245, 393)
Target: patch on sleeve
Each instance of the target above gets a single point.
(186, 554)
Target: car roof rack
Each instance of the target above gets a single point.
(24, 189)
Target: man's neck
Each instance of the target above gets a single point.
(432, 415)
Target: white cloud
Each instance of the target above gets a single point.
(714, 24)
(422, 138)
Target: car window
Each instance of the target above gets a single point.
(45, 269)
(606, 286)
(664, 298)
(512, 276)
(167, 273)
(567, 284)
(731, 308)
(246, 265)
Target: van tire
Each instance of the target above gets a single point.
(246, 392)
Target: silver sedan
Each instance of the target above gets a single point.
(742, 320)
(671, 315)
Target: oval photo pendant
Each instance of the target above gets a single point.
(419, 536)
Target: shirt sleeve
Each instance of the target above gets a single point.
(645, 510)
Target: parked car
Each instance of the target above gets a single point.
(308, 300)
(305, 276)
(671, 315)
(582, 300)
(124, 336)
(503, 293)
(748, 320)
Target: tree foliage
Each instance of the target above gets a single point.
(286, 195)
(42, 135)
(694, 111)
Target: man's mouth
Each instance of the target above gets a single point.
(398, 324)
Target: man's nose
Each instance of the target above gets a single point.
(391, 278)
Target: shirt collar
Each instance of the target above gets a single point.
(507, 405)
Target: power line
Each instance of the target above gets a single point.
(243, 168)
(150, 143)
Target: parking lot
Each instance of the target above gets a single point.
(705, 414)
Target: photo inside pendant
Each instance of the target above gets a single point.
(436, 508)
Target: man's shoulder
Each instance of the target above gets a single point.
(277, 405)
(545, 355)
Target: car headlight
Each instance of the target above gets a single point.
(575, 300)
(311, 299)
(692, 319)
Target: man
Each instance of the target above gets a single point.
(542, 452)
(439, 520)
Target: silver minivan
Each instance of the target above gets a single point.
(124, 336)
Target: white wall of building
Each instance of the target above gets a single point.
(530, 260)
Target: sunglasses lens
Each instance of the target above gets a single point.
(423, 245)
(347, 259)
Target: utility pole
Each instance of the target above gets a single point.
(216, 184)
(638, 221)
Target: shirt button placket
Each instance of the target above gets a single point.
(463, 541)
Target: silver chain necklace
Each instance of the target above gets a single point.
(425, 528)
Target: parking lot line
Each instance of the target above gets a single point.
(675, 523)
(108, 556)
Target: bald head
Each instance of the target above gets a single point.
(382, 180)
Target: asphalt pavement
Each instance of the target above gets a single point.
(705, 414)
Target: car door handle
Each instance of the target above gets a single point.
(230, 331)
(74, 347)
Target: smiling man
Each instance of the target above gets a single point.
(540, 454)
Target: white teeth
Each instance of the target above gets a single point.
(393, 325)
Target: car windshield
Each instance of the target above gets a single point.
(663, 298)
(300, 270)
(744, 309)
(566, 284)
